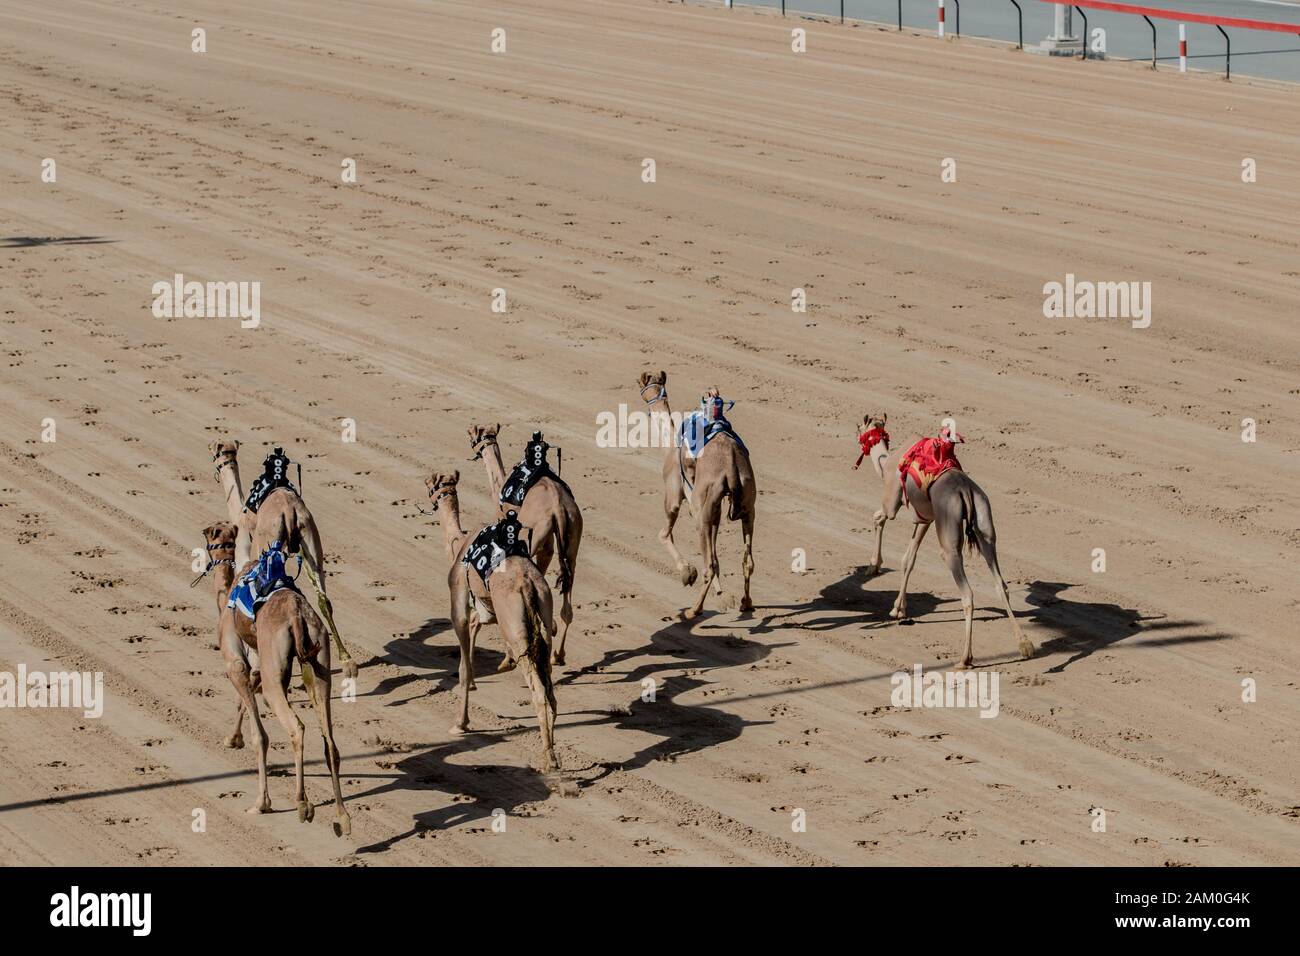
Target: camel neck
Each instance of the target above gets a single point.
(223, 577)
(449, 518)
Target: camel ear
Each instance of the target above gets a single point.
(498, 427)
(455, 475)
(663, 377)
(884, 417)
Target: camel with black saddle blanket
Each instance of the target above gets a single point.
(259, 650)
(720, 469)
(545, 504)
(493, 577)
(275, 511)
(940, 493)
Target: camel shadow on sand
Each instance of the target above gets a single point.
(31, 242)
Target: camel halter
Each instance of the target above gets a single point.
(213, 562)
(662, 396)
(479, 445)
(221, 459)
(436, 493)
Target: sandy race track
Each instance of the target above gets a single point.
(774, 171)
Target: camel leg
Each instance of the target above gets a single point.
(461, 625)
(566, 599)
(277, 664)
(899, 612)
(544, 700)
(319, 688)
(891, 501)
(236, 739)
(672, 508)
(747, 562)
(237, 671)
(990, 553)
(709, 517)
(474, 628)
(952, 558)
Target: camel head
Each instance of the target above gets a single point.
(223, 453)
(220, 537)
(442, 486)
(875, 419)
(220, 541)
(656, 381)
(481, 436)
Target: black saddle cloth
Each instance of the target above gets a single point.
(275, 474)
(528, 472)
(496, 542)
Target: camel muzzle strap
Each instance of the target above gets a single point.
(480, 445)
(661, 396)
(436, 495)
(212, 563)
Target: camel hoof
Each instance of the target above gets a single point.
(965, 665)
(689, 575)
(898, 614)
(473, 686)
(558, 658)
(343, 827)
(506, 665)
(872, 570)
(263, 807)
(746, 604)
(350, 668)
(689, 614)
(1027, 650)
(235, 742)
(306, 812)
(458, 730)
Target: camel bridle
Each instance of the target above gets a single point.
(445, 489)
(220, 460)
(662, 396)
(480, 444)
(214, 561)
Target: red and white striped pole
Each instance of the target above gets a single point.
(940, 19)
(1182, 48)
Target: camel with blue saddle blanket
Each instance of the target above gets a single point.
(545, 504)
(274, 511)
(491, 578)
(261, 632)
(705, 465)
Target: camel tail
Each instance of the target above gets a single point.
(733, 486)
(539, 638)
(567, 534)
(305, 646)
(977, 517)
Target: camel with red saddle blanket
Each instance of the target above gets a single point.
(501, 583)
(281, 516)
(259, 654)
(721, 470)
(548, 509)
(940, 493)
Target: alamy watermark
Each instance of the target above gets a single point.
(946, 689)
(1082, 299)
(75, 690)
(208, 300)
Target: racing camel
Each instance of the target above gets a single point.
(548, 510)
(282, 516)
(721, 470)
(514, 594)
(285, 627)
(874, 441)
(941, 493)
